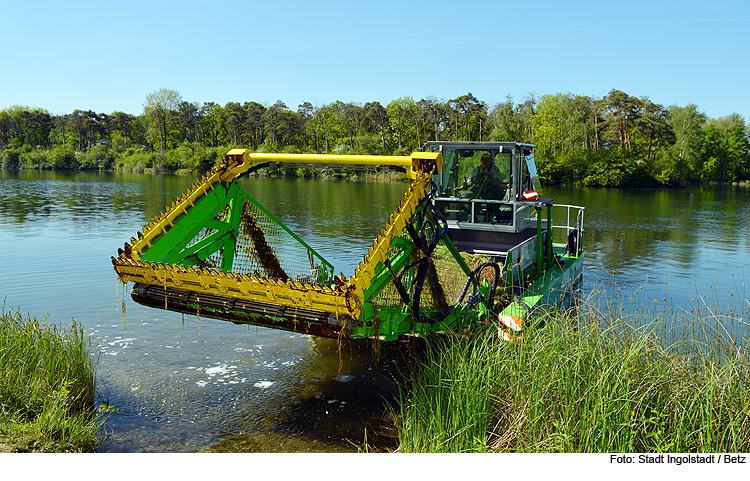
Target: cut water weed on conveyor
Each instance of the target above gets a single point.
(451, 278)
(266, 255)
(415, 277)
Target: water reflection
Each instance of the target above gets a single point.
(194, 384)
(201, 384)
(680, 253)
(675, 233)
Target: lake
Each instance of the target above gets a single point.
(674, 246)
(185, 384)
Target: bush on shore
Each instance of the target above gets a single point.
(184, 159)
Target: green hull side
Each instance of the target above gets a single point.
(551, 290)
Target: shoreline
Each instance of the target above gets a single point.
(369, 176)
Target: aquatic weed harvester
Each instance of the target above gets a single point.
(471, 242)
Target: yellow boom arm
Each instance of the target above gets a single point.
(416, 162)
(344, 297)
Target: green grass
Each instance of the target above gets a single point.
(600, 382)
(47, 378)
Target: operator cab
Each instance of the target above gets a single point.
(480, 190)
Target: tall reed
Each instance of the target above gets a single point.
(600, 381)
(47, 378)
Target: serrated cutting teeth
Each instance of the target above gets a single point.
(174, 251)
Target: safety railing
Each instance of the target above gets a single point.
(572, 229)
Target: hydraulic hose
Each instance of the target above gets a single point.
(439, 228)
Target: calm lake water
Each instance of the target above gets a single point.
(676, 245)
(184, 384)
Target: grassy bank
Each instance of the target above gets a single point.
(47, 380)
(582, 385)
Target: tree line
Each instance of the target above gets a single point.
(617, 140)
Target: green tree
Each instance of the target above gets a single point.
(548, 124)
(351, 114)
(88, 128)
(60, 130)
(325, 120)
(653, 125)
(550, 127)
(712, 154)
(120, 123)
(305, 114)
(376, 116)
(725, 150)
(507, 124)
(254, 123)
(622, 111)
(580, 133)
(11, 126)
(468, 117)
(233, 120)
(6, 127)
(281, 125)
(211, 114)
(354, 114)
(402, 117)
(36, 125)
(435, 114)
(188, 121)
(162, 107)
(681, 161)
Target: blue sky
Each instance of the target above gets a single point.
(107, 56)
